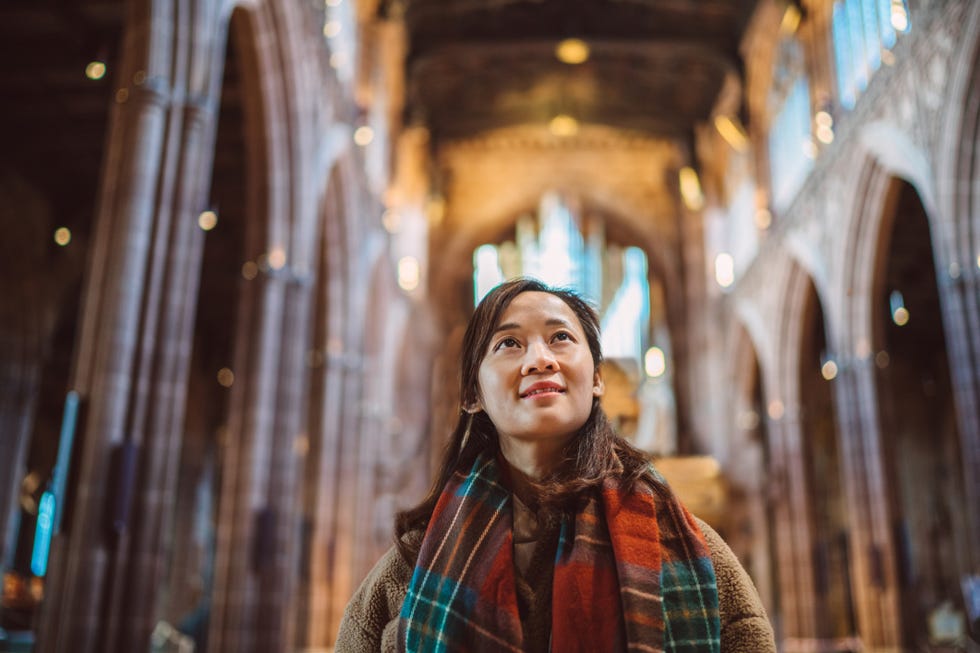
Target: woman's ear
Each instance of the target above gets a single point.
(598, 385)
(473, 407)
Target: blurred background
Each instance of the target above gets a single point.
(239, 242)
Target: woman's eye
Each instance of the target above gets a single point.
(506, 343)
(561, 335)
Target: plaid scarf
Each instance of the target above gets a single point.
(632, 573)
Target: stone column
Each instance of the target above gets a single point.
(246, 525)
(135, 339)
(872, 559)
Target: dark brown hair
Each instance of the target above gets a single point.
(593, 455)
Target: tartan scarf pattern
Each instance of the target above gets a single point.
(632, 573)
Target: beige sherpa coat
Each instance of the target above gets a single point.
(370, 623)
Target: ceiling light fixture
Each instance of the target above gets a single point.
(572, 51)
(732, 132)
(563, 125)
(691, 189)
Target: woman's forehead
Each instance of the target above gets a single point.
(536, 308)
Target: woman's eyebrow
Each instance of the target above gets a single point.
(510, 326)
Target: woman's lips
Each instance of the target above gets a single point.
(542, 390)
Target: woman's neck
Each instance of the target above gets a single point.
(531, 460)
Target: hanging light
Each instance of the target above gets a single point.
(828, 367)
(563, 125)
(691, 189)
(900, 15)
(207, 220)
(572, 51)
(724, 269)
(363, 135)
(655, 362)
(900, 314)
(409, 273)
(95, 70)
(732, 132)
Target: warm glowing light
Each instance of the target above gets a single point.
(775, 409)
(763, 218)
(887, 57)
(829, 370)
(408, 273)
(226, 377)
(337, 59)
(95, 70)
(391, 220)
(563, 125)
(249, 270)
(724, 270)
(900, 313)
(331, 28)
(572, 51)
(824, 119)
(122, 95)
(363, 135)
(655, 362)
(791, 20)
(825, 134)
(978, 260)
(900, 16)
(207, 220)
(277, 258)
(882, 359)
(333, 3)
(732, 132)
(62, 236)
(691, 188)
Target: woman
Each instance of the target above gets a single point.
(545, 531)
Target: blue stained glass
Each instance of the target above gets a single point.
(855, 35)
(42, 535)
(888, 36)
(872, 45)
(842, 50)
(788, 138)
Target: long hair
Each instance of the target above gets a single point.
(592, 455)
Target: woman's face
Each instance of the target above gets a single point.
(537, 379)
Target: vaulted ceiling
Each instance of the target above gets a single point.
(655, 66)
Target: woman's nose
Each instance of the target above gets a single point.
(538, 358)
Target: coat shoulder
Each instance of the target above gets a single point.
(745, 627)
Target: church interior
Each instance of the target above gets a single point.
(242, 238)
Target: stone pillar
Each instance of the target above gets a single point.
(792, 525)
(133, 343)
(135, 339)
(246, 523)
(958, 251)
(277, 570)
(872, 559)
(159, 402)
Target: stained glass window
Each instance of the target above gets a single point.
(562, 248)
(864, 31)
(791, 148)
